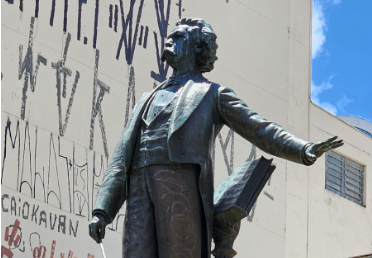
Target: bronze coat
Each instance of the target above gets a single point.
(201, 111)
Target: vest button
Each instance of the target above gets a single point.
(183, 152)
(181, 137)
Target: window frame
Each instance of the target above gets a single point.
(345, 177)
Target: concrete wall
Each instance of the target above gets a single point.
(298, 119)
(337, 226)
(72, 71)
(322, 223)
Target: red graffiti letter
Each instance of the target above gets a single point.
(5, 252)
(53, 248)
(10, 239)
(38, 250)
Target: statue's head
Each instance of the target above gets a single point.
(191, 43)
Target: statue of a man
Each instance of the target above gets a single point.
(162, 166)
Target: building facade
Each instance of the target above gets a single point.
(71, 74)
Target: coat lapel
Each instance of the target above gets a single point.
(190, 98)
(138, 110)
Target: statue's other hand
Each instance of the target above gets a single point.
(97, 227)
(316, 150)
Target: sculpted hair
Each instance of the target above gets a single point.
(203, 36)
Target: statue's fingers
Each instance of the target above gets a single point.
(326, 141)
(102, 231)
(95, 232)
(99, 233)
(90, 230)
(333, 138)
(333, 145)
(322, 146)
(337, 144)
(329, 143)
(329, 146)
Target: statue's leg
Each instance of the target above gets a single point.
(174, 190)
(139, 234)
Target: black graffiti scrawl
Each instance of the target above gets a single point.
(14, 143)
(26, 68)
(21, 6)
(80, 7)
(96, 106)
(128, 38)
(50, 168)
(62, 72)
(224, 144)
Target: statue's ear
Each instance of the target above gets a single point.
(197, 43)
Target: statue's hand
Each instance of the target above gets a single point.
(316, 150)
(97, 227)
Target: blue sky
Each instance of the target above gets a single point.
(342, 57)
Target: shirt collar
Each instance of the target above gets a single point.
(181, 81)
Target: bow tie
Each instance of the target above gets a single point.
(172, 82)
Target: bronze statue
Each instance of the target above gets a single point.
(162, 165)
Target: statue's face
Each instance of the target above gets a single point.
(179, 49)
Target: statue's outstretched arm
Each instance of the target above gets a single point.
(266, 135)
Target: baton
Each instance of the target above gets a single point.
(102, 249)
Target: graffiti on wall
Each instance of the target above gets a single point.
(62, 72)
(16, 241)
(25, 68)
(124, 18)
(97, 108)
(13, 237)
(17, 207)
(44, 165)
(51, 169)
(29, 75)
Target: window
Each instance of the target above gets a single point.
(344, 177)
(364, 131)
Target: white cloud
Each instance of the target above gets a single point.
(318, 29)
(343, 102)
(335, 2)
(316, 90)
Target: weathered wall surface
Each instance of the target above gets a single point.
(337, 226)
(71, 74)
(298, 122)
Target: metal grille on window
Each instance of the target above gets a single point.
(344, 177)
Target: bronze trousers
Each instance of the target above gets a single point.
(164, 213)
